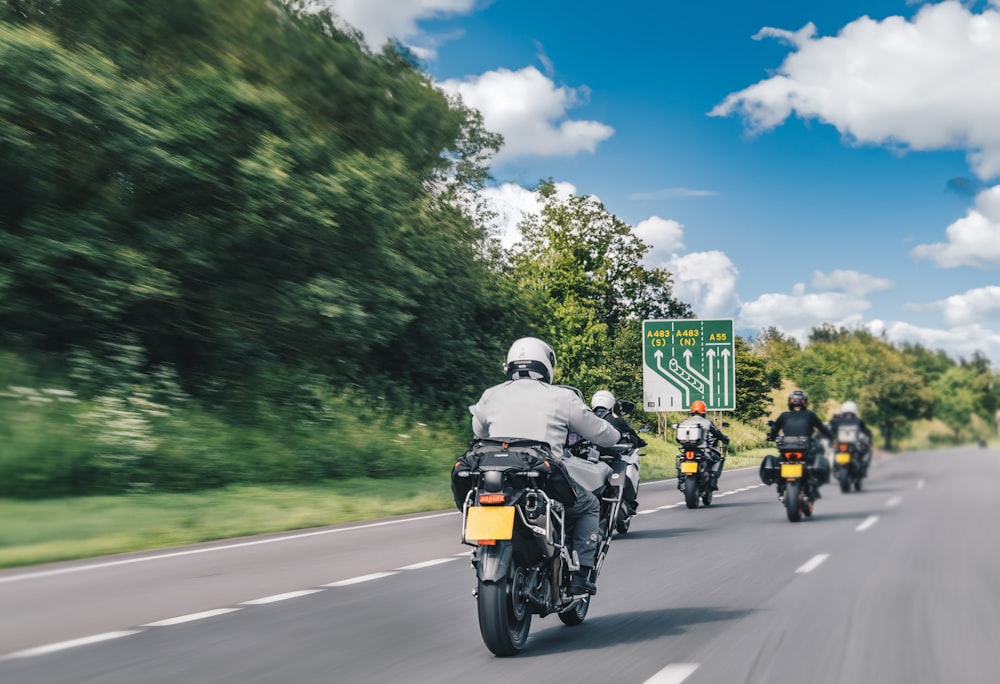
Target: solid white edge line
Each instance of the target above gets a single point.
(224, 547)
(191, 617)
(813, 563)
(72, 643)
(868, 522)
(674, 673)
(280, 597)
(427, 564)
(359, 579)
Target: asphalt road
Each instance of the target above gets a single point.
(897, 583)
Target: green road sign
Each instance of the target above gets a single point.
(688, 359)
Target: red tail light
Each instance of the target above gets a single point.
(492, 498)
(689, 455)
(794, 455)
(843, 447)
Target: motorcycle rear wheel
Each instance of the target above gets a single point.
(691, 491)
(504, 616)
(793, 501)
(706, 497)
(857, 484)
(575, 615)
(844, 477)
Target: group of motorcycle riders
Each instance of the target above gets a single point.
(529, 406)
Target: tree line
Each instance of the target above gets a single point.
(228, 215)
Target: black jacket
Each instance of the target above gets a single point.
(801, 423)
(850, 419)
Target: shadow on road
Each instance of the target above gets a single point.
(662, 533)
(623, 628)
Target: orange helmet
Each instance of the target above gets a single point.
(698, 407)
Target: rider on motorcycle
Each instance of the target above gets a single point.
(529, 406)
(799, 421)
(606, 406)
(714, 436)
(848, 415)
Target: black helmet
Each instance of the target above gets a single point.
(798, 398)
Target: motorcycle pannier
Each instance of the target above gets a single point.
(847, 434)
(520, 455)
(689, 434)
(769, 470)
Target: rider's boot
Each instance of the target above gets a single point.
(580, 582)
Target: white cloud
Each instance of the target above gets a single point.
(921, 84)
(664, 236)
(973, 240)
(530, 111)
(512, 201)
(671, 192)
(958, 342)
(706, 281)
(796, 314)
(851, 282)
(380, 20)
(975, 306)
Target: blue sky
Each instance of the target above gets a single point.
(791, 163)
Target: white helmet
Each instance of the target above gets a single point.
(849, 407)
(529, 357)
(603, 399)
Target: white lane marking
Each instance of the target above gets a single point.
(427, 564)
(191, 617)
(894, 501)
(72, 643)
(359, 579)
(920, 484)
(868, 522)
(225, 547)
(280, 597)
(813, 563)
(674, 673)
(668, 507)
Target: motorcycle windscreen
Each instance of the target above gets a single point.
(489, 522)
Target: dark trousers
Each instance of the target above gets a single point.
(583, 517)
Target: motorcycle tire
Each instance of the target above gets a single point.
(706, 497)
(623, 522)
(576, 614)
(857, 484)
(793, 501)
(844, 477)
(504, 615)
(691, 492)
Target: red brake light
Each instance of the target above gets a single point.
(492, 498)
(843, 447)
(689, 455)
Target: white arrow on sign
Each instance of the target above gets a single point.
(711, 387)
(725, 375)
(674, 379)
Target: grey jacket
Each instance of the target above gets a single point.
(532, 409)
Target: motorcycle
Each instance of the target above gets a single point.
(694, 466)
(518, 531)
(797, 485)
(849, 450)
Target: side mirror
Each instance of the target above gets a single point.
(770, 423)
(624, 407)
(725, 424)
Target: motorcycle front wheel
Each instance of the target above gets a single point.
(691, 491)
(504, 613)
(793, 501)
(575, 615)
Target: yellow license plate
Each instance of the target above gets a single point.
(689, 467)
(843, 459)
(489, 522)
(791, 470)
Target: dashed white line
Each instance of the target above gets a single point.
(674, 673)
(359, 579)
(427, 564)
(868, 522)
(191, 617)
(280, 597)
(894, 501)
(812, 563)
(920, 484)
(72, 643)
